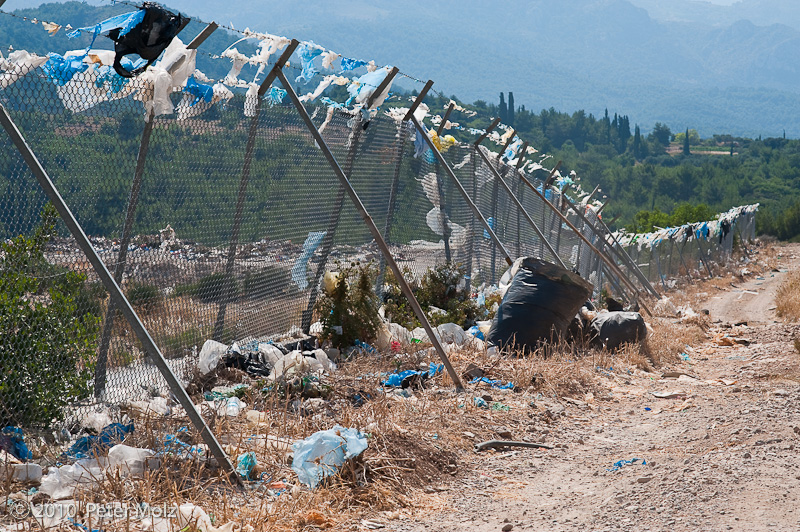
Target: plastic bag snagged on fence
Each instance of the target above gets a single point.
(86, 446)
(538, 305)
(12, 441)
(147, 39)
(613, 329)
(324, 452)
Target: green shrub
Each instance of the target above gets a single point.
(217, 288)
(47, 343)
(353, 306)
(441, 287)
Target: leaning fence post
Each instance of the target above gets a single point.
(376, 234)
(520, 162)
(459, 187)
(130, 216)
(611, 265)
(115, 291)
(336, 213)
(402, 134)
(228, 290)
(443, 214)
(500, 181)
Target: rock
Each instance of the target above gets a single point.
(507, 527)
(504, 433)
(644, 480)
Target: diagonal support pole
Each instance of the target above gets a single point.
(402, 134)
(457, 183)
(609, 263)
(114, 290)
(130, 216)
(219, 326)
(370, 223)
(336, 212)
(516, 201)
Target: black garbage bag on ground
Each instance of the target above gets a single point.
(538, 306)
(148, 38)
(613, 329)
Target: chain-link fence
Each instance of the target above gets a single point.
(219, 223)
(693, 250)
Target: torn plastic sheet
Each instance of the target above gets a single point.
(351, 64)
(61, 69)
(189, 106)
(420, 144)
(275, 95)
(362, 88)
(430, 184)
(492, 225)
(251, 100)
(622, 463)
(324, 452)
(199, 91)
(95, 84)
(239, 60)
(12, 441)
(19, 63)
(308, 51)
(324, 84)
(493, 383)
(172, 73)
(87, 446)
(299, 275)
(403, 378)
(268, 46)
(328, 118)
(124, 22)
(328, 58)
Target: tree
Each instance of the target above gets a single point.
(637, 143)
(662, 133)
(503, 111)
(511, 109)
(48, 331)
(686, 150)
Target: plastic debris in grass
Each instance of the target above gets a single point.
(404, 379)
(225, 392)
(13, 442)
(685, 357)
(619, 464)
(323, 453)
(480, 402)
(500, 407)
(246, 464)
(87, 446)
(493, 383)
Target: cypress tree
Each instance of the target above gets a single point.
(686, 150)
(503, 111)
(637, 143)
(511, 109)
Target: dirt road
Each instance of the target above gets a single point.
(714, 446)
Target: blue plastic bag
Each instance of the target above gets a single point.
(323, 453)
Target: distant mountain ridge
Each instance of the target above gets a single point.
(728, 69)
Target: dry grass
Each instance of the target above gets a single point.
(414, 442)
(787, 298)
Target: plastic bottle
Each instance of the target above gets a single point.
(233, 407)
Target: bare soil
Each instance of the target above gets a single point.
(717, 451)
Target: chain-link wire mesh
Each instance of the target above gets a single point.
(219, 225)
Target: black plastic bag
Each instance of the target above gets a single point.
(613, 329)
(148, 38)
(538, 305)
